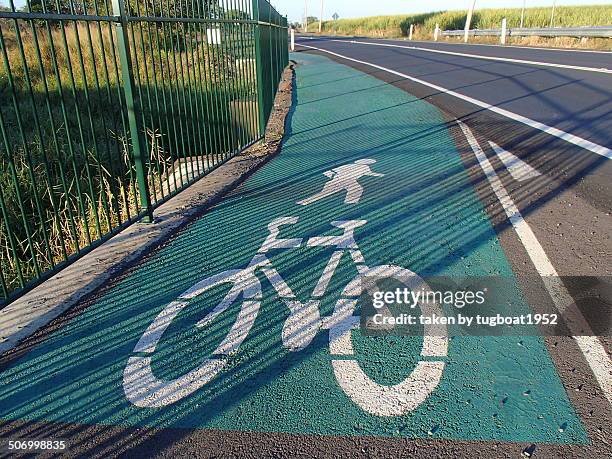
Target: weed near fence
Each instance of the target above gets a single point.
(70, 175)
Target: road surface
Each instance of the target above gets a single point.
(517, 99)
(372, 176)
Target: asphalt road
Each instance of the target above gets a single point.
(377, 172)
(574, 102)
(586, 58)
(566, 203)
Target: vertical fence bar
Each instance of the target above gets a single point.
(128, 89)
(271, 52)
(286, 48)
(184, 98)
(259, 63)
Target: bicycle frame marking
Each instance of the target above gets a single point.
(144, 390)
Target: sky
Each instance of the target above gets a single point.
(294, 9)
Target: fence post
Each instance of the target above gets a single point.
(436, 32)
(321, 18)
(504, 31)
(128, 90)
(286, 48)
(259, 65)
(411, 30)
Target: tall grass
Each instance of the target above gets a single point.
(397, 26)
(67, 175)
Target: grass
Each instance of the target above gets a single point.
(67, 175)
(398, 26)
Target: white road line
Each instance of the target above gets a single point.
(571, 50)
(476, 45)
(571, 138)
(519, 169)
(487, 58)
(594, 353)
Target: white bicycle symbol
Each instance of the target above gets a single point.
(145, 390)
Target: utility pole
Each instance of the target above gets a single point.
(552, 15)
(468, 22)
(306, 16)
(523, 14)
(321, 18)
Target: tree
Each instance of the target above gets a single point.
(50, 6)
(203, 8)
(237, 15)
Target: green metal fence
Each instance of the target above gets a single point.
(109, 107)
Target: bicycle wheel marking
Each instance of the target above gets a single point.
(388, 400)
(423, 215)
(144, 390)
(377, 399)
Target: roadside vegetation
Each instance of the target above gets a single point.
(67, 175)
(399, 26)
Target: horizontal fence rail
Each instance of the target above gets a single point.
(576, 32)
(472, 33)
(109, 107)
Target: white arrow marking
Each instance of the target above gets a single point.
(594, 352)
(518, 168)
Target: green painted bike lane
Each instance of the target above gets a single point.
(422, 215)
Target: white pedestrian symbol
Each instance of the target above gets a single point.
(345, 178)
